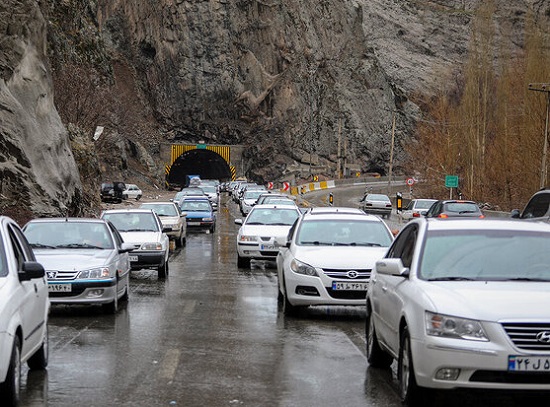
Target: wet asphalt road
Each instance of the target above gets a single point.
(210, 335)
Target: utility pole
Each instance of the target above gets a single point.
(339, 168)
(543, 87)
(391, 153)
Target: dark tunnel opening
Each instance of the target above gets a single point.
(205, 163)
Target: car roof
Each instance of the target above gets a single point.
(129, 210)
(275, 206)
(68, 220)
(483, 224)
(339, 212)
(158, 203)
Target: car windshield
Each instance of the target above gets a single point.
(133, 221)
(421, 204)
(343, 233)
(278, 201)
(253, 194)
(195, 206)
(485, 255)
(191, 191)
(69, 235)
(462, 207)
(162, 209)
(378, 197)
(272, 216)
(209, 189)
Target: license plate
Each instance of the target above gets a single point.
(348, 286)
(193, 223)
(59, 288)
(133, 258)
(269, 247)
(529, 363)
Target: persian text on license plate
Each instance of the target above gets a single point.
(529, 364)
(59, 288)
(269, 247)
(349, 286)
(193, 223)
(133, 258)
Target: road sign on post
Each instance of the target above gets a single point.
(451, 181)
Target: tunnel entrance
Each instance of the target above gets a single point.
(205, 163)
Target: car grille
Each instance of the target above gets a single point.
(347, 295)
(489, 376)
(61, 275)
(529, 336)
(344, 274)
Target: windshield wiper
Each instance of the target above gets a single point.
(370, 244)
(42, 246)
(462, 212)
(78, 246)
(317, 243)
(255, 223)
(525, 279)
(452, 279)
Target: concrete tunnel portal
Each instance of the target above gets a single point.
(205, 163)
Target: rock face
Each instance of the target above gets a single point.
(302, 83)
(38, 173)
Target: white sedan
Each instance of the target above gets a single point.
(463, 304)
(328, 258)
(415, 208)
(143, 229)
(263, 231)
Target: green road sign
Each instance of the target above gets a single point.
(451, 181)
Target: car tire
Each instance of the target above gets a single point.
(375, 355)
(111, 307)
(126, 294)
(124, 196)
(9, 390)
(212, 229)
(289, 310)
(39, 360)
(179, 240)
(163, 270)
(410, 393)
(243, 262)
(138, 197)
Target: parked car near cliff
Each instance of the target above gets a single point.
(132, 191)
(24, 308)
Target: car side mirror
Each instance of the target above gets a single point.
(515, 213)
(424, 213)
(392, 267)
(126, 247)
(183, 214)
(238, 221)
(164, 230)
(30, 270)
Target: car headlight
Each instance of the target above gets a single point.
(99, 272)
(207, 219)
(302, 268)
(454, 327)
(152, 246)
(245, 238)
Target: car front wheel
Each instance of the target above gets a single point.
(375, 355)
(163, 270)
(243, 262)
(9, 390)
(411, 394)
(40, 359)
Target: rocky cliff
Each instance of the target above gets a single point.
(292, 80)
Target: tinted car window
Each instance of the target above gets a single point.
(537, 206)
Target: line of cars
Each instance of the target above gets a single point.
(456, 302)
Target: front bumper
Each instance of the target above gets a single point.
(147, 259)
(254, 250)
(85, 292)
(483, 365)
(304, 290)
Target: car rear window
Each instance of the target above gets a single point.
(462, 207)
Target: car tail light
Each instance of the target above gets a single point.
(443, 216)
(481, 216)
(416, 215)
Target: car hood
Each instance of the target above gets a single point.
(72, 259)
(169, 220)
(141, 237)
(340, 257)
(491, 300)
